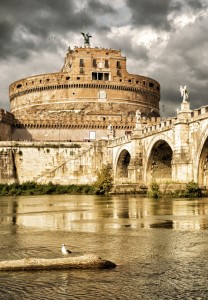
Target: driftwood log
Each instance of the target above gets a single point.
(87, 261)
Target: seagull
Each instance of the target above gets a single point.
(64, 250)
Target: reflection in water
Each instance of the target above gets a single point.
(8, 212)
(81, 213)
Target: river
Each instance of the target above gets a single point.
(160, 246)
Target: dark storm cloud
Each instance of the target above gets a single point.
(40, 19)
(155, 13)
(6, 31)
(150, 12)
(138, 52)
(184, 62)
(99, 8)
(194, 4)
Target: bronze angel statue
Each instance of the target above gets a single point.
(87, 37)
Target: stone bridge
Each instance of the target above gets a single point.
(174, 150)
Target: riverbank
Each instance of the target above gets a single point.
(154, 190)
(33, 188)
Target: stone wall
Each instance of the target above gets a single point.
(6, 121)
(63, 164)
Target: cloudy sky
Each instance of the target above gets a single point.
(163, 39)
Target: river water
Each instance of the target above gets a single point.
(160, 246)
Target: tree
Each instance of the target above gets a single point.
(104, 181)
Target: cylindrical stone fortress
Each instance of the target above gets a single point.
(93, 85)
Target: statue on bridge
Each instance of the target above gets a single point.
(138, 116)
(184, 93)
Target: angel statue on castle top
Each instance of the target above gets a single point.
(87, 37)
(184, 93)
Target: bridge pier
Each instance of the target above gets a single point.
(182, 165)
(135, 170)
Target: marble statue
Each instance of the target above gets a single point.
(184, 93)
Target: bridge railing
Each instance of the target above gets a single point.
(119, 141)
(162, 125)
(199, 111)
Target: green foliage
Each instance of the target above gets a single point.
(33, 188)
(104, 181)
(192, 190)
(154, 191)
(154, 186)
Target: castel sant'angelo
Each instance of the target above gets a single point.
(92, 93)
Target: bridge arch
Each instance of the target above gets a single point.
(159, 160)
(121, 165)
(201, 161)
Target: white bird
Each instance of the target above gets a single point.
(64, 250)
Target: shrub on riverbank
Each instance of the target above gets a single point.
(33, 188)
(154, 191)
(104, 182)
(192, 190)
(188, 190)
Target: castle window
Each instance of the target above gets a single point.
(158, 88)
(106, 76)
(94, 76)
(81, 71)
(78, 78)
(144, 82)
(19, 86)
(100, 76)
(118, 64)
(129, 80)
(106, 64)
(94, 63)
(67, 77)
(151, 84)
(81, 63)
